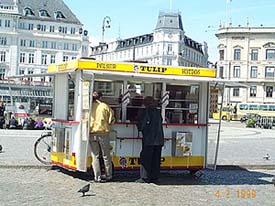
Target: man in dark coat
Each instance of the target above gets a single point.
(150, 125)
(2, 116)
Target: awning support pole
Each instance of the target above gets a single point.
(219, 128)
(91, 90)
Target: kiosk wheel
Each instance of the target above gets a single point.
(196, 173)
(43, 148)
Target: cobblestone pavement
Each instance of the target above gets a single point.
(18, 147)
(53, 187)
(238, 145)
(242, 146)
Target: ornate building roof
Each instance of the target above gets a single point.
(169, 21)
(48, 10)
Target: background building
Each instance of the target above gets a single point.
(167, 45)
(34, 34)
(247, 54)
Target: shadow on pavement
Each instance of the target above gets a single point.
(179, 177)
(219, 177)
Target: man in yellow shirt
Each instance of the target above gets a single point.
(102, 117)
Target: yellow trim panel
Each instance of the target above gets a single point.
(132, 68)
(132, 162)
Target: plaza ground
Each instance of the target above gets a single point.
(24, 181)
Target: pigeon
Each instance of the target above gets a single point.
(267, 157)
(84, 189)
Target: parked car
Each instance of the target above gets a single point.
(250, 116)
(265, 122)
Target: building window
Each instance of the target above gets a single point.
(51, 28)
(188, 53)
(32, 43)
(43, 27)
(21, 71)
(59, 15)
(254, 72)
(2, 56)
(22, 58)
(22, 42)
(169, 61)
(221, 72)
(66, 46)
(237, 54)
(236, 72)
(72, 30)
(236, 92)
(221, 52)
(269, 72)
(30, 27)
(73, 57)
(107, 88)
(169, 50)
(2, 73)
(65, 58)
(62, 29)
(3, 40)
(254, 55)
(253, 91)
(31, 58)
(44, 59)
(30, 71)
(53, 45)
(44, 13)
(28, 12)
(52, 59)
(269, 91)
(74, 47)
(7, 23)
(270, 54)
(44, 44)
(21, 25)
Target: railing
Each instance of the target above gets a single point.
(25, 82)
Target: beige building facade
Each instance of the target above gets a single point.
(247, 54)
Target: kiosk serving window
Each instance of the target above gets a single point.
(126, 98)
(183, 104)
(111, 91)
(71, 96)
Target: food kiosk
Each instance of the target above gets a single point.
(181, 93)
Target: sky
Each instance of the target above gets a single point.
(201, 18)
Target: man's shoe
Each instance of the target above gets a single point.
(100, 180)
(140, 180)
(155, 181)
(107, 178)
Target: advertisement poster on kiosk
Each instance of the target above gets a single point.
(22, 109)
(45, 109)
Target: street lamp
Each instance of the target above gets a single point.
(105, 25)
